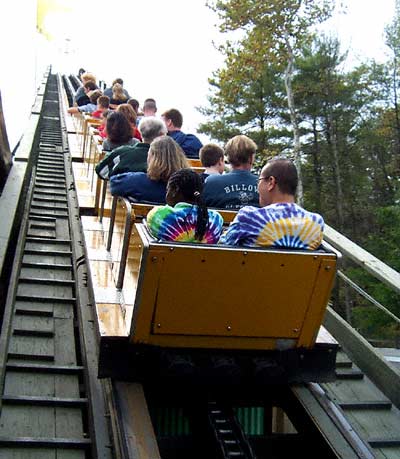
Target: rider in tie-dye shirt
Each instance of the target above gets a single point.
(280, 222)
(185, 218)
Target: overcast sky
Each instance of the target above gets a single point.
(166, 51)
(162, 49)
(360, 28)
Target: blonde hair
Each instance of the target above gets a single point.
(165, 157)
(85, 77)
(118, 92)
(240, 149)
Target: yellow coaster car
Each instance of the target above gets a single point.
(251, 310)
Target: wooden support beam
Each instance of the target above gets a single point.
(140, 440)
(381, 372)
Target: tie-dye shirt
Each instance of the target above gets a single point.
(276, 225)
(178, 223)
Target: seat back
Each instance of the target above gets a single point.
(227, 215)
(194, 162)
(196, 295)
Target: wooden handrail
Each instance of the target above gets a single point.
(361, 257)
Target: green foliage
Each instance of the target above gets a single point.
(248, 106)
(375, 325)
(386, 245)
(273, 33)
(382, 242)
(279, 80)
(271, 25)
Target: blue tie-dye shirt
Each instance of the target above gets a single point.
(276, 225)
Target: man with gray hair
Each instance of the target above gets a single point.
(132, 158)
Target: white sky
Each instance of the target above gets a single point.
(361, 28)
(162, 49)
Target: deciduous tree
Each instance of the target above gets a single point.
(274, 31)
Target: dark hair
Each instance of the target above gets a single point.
(104, 101)
(106, 113)
(210, 154)
(94, 95)
(119, 130)
(119, 81)
(134, 103)
(190, 185)
(285, 174)
(90, 85)
(175, 116)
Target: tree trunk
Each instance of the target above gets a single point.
(293, 119)
(347, 303)
(332, 142)
(396, 111)
(317, 168)
(388, 190)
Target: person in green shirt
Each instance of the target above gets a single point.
(132, 158)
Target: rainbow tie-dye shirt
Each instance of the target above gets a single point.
(178, 223)
(276, 225)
